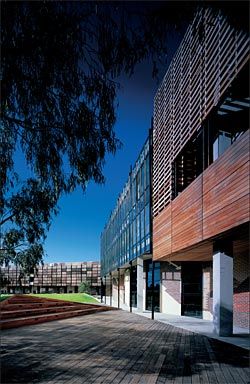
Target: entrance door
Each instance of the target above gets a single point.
(134, 286)
(191, 289)
(149, 286)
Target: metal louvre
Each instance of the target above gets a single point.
(209, 58)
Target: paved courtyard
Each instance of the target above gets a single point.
(117, 347)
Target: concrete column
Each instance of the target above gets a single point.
(127, 287)
(110, 287)
(115, 292)
(140, 284)
(222, 294)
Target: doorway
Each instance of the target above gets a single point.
(191, 289)
(149, 285)
(134, 286)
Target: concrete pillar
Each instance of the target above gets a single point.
(122, 289)
(118, 288)
(140, 284)
(127, 287)
(222, 294)
(115, 292)
(111, 283)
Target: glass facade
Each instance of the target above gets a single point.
(127, 234)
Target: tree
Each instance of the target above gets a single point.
(84, 287)
(24, 223)
(60, 66)
(61, 62)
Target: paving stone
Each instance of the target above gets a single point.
(117, 347)
(20, 310)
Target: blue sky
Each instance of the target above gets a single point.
(75, 233)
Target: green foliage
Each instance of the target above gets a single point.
(84, 287)
(60, 66)
(61, 63)
(24, 222)
(4, 297)
(75, 297)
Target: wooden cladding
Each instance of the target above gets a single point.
(217, 201)
(226, 190)
(201, 71)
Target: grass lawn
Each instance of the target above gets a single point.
(4, 296)
(75, 297)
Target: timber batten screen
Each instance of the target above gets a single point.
(209, 58)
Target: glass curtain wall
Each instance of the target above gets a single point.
(127, 233)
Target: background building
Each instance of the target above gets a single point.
(200, 183)
(53, 277)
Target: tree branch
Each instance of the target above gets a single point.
(7, 219)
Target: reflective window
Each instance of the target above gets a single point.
(147, 219)
(127, 234)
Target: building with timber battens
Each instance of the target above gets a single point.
(51, 278)
(197, 263)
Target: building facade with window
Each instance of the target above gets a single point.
(201, 175)
(200, 185)
(53, 278)
(126, 239)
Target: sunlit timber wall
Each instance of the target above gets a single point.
(200, 138)
(127, 234)
(53, 277)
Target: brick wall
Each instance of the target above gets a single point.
(171, 276)
(241, 300)
(241, 309)
(207, 297)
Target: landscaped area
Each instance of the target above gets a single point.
(4, 297)
(23, 310)
(75, 297)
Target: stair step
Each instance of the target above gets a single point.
(39, 311)
(14, 323)
(25, 301)
(43, 304)
(19, 311)
(25, 297)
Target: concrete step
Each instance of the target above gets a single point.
(39, 311)
(43, 304)
(23, 299)
(19, 311)
(26, 301)
(31, 320)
